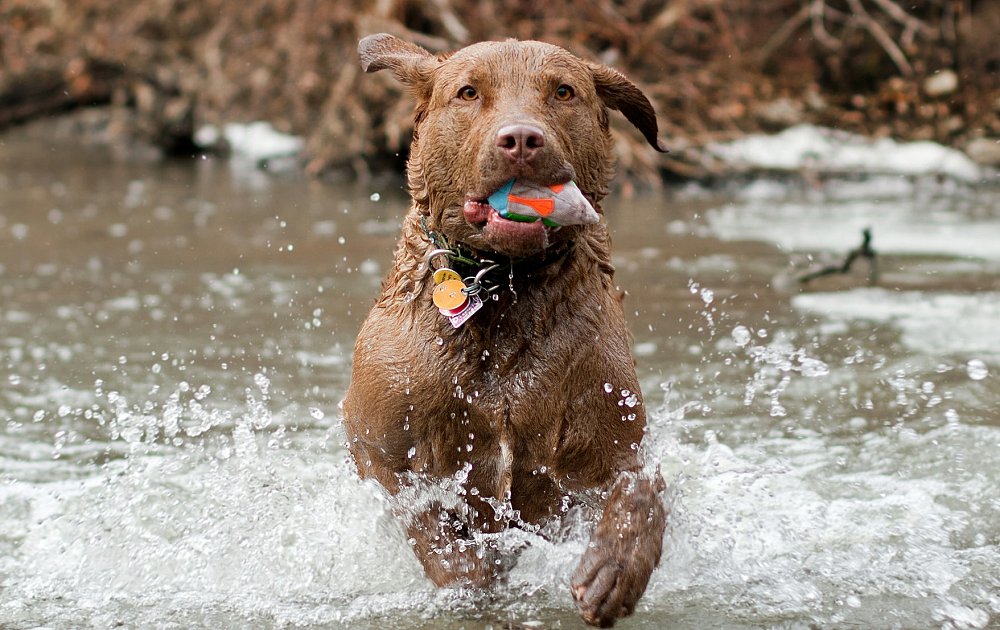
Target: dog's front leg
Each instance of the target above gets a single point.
(445, 547)
(623, 550)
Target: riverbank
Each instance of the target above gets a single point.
(146, 77)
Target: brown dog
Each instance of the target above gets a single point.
(534, 399)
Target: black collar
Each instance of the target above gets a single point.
(469, 262)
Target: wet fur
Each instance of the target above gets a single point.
(522, 382)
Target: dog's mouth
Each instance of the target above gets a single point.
(516, 238)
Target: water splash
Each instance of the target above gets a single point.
(976, 369)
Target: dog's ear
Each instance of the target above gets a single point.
(410, 63)
(619, 93)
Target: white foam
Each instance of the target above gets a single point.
(794, 526)
(775, 527)
(246, 521)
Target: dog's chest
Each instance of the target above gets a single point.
(499, 422)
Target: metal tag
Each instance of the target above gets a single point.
(475, 303)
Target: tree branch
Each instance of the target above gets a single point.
(875, 29)
(865, 250)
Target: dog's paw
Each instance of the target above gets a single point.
(607, 587)
(623, 551)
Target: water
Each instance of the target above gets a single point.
(175, 338)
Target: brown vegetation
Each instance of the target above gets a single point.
(714, 69)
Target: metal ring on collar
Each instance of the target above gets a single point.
(432, 254)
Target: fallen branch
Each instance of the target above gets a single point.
(865, 250)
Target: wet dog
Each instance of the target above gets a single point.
(530, 401)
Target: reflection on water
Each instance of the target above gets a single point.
(174, 340)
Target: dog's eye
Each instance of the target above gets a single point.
(468, 93)
(564, 93)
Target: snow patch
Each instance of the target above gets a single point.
(828, 150)
(935, 229)
(927, 321)
(257, 141)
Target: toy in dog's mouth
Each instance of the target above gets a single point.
(518, 218)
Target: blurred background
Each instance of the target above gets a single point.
(159, 70)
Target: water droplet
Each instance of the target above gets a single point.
(976, 369)
(439, 341)
(741, 336)
(316, 413)
(813, 368)
(262, 382)
(707, 295)
(411, 453)
(375, 197)
(461, 476)
(19, 231)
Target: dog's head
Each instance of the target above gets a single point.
(500, 110)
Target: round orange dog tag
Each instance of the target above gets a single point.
(445, 274)
(448, 295)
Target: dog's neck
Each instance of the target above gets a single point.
(564, 262)
(468, 261)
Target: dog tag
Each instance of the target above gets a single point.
(475, 303)
(445, 274)
(448, 295)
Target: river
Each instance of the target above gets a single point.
(175, 338)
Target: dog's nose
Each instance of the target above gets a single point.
(520, 143)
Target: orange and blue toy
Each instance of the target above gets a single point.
(558, 204)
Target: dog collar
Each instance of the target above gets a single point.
(467, 279)
(474, 262)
